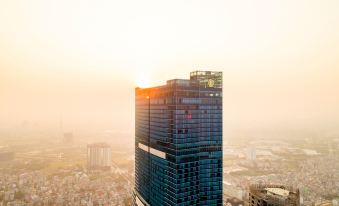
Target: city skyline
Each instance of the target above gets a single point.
(169, 103)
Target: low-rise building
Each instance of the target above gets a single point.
(273, 195)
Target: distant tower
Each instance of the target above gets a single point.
(251, 153)
(273, 195)
(61, 127)
(330, 149)
(99, 156)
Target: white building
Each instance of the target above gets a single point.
(99, 156)
(251, 153)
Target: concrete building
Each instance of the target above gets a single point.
(99, 156)
(273, 195)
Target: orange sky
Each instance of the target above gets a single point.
(82, 59)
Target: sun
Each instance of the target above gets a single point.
(142, 80)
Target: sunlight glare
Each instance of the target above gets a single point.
(142, 80)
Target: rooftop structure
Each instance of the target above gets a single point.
(273, 195)
(278, 191)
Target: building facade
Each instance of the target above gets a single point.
(178, 142)
(99, 156)
(273, 195)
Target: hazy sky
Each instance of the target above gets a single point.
(82, 59)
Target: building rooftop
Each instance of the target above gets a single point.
(204, 78)
(99, 144)
(275, 193)
(278, 191)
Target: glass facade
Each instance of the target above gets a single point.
(178, 142)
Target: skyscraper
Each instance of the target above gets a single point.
(178, 142)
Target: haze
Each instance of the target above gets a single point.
(79, 61)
